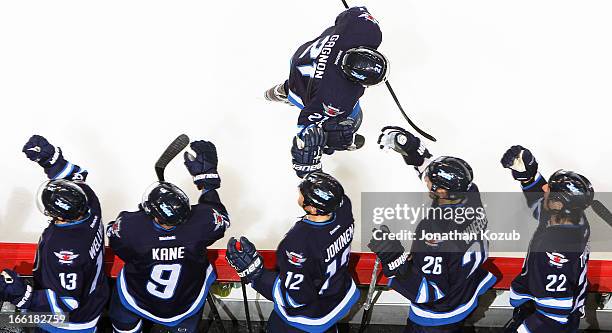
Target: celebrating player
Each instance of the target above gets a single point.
(549, 294)
(328, 75)
(313, 288)
(442, 279)
(167, 274)
(68, 272)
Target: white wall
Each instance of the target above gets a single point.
(113, 82)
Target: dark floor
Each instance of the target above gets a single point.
(240, 327)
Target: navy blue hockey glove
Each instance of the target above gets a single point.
(15, 290)
(245, 259)
(339, 134)
(391, 253)
(39, 150)
(307, 150)
(203, 166)
(403, 142)
(523, 164)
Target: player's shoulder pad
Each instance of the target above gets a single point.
(125, 221)
(210, 213)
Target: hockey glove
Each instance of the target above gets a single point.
(39, 150)
(15, 290)
(307, 150)
(403, 142)
(245, 259)
(340, 134)
(203, 166)
(523, 164)
(390, 252)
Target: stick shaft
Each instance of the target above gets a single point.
(215, 312)
(246, 305)
(370, 296)
(412, 124)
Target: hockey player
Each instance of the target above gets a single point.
(312, 289)
(68, 272)
(443, 279)
(549, 294)
(327, 77)
(167, 274)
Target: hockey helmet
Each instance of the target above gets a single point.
(365, 65)
(62, 199)
(167, 203)
(321, 191)
(573, 190)
(452, 174)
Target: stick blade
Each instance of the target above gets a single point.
(175, 148)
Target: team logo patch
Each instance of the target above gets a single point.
(220, 220)
(66, 257)
(368, 17)
(331, 111)
(114, 229)
(295, 259)
(556, 259)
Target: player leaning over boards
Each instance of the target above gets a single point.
(549, 294)
(442, 279)
(167, 274)
(327, 77)
(68, 271)
(313, 288)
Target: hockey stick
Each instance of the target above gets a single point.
(180, 143)
(215, 312)
(244, 297)
(368, 303)
(246, 305)
(399, 105)
(602, 211)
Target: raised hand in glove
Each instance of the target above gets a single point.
(390, 252)
(245, 259)
(523, 164)
(39, 150)
(403, 142)
(203, 166)
(307, 150)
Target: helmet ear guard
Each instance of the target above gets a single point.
(365, 65)
(166, 203)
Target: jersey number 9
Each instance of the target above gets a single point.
(164, 279)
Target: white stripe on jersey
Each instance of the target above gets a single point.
(278, 298)
(132, 302)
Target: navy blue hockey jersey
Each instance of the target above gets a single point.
(445, 275)
(167, 274)
(554, 271)
(69, 274)
(316, 83)
(313, 287)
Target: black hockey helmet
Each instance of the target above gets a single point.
(452, 174)
(167, 203)
(365, 66)
(62, 199)
(322, 192)
(573, 190)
